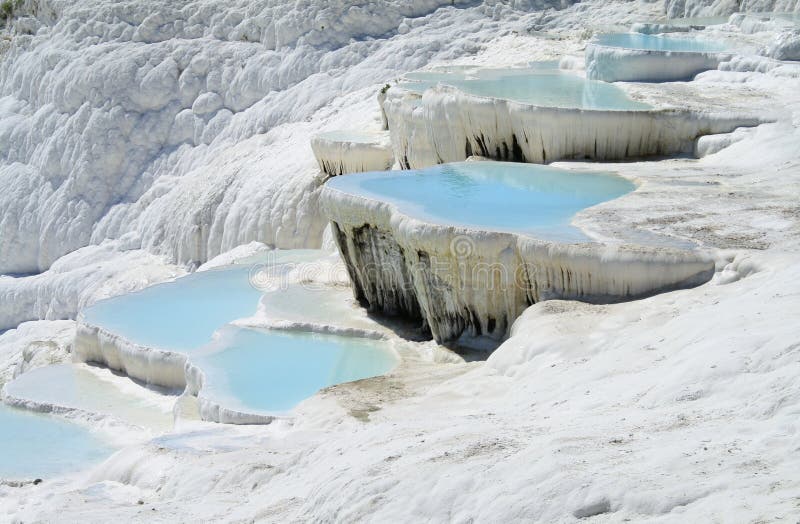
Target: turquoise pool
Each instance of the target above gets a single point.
(41, 446)
(182, 315)
(542, 85)
(660, 43)
(246, 369)
(270, 371)
(497, 196)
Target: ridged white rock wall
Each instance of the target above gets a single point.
(156, 367)
(615, 64)
(447, 125)
(179, 123)
(339, 157)
(475, 283)
(153, 366)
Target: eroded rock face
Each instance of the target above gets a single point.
(340, 155)
(446, 125)
(476, 283)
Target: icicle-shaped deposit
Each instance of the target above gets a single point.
(467, 247)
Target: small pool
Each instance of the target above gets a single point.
(499, 196)
(40, 446)
(660, 43)
(77, 386)
(542, 85)
(270, 371)
(182, 315)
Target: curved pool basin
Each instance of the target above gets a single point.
(496, 196)
(271, 371)
(79, 387)
(467, 247)
(177, 335)
(640, 57)
(182, 315)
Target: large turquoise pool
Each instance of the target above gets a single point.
(541, 85)
(40, 446)
(497, 196)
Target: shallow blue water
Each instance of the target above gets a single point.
(39, 446)
(180, 315)
(497, 196)
(660, 43)
(253, 370)
(271, 371)
(541, 85)
(183, 314)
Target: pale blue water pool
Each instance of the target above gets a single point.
(542, 85)
(183, 314)
(40, 446)
(497, 196)
(271, 371)
(660, 43)
(246, 369)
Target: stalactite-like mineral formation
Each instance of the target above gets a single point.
(461, 281)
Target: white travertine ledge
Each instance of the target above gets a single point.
(342, 152)
(461, 281)
(615, 64)
(157, 367)
(448, 125)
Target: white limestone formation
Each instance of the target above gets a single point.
(153, 366)
(447, 125)
(658, 28)
(179, 124)
(461, 281)
(171, 370)
(614, 64)
(342, 152)
(710, 144)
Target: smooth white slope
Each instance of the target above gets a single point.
(681, 407)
